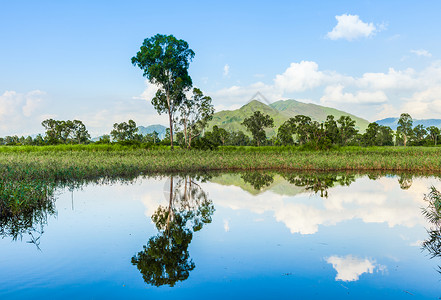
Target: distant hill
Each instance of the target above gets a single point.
(144, 130)
(393, 122)
(280, 111)
(149, 129)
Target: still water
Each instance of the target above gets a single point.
(239, 236)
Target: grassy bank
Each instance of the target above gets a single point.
(73, 163)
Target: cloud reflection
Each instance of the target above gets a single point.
(349, 268)
(379, 201)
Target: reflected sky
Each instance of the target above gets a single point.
(282, 240)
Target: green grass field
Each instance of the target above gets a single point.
(68, 163)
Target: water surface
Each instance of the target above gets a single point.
(253, 235)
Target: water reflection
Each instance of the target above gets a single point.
(319, 182)
(165, 259)
(258, 180)
(24, 209)
(349, 268)
(433, 214)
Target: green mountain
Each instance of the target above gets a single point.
(280, 111)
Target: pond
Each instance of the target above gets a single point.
(227, 235)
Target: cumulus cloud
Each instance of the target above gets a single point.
(351, 27)
(349, 268)
(149, 92)
(300, 77)
(21, 113)
(387, 93)
(334, 93)
(421, 52)
(226, 70)
(236, 94)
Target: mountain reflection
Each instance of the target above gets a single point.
(433, 214)
(258, 180)
(319, 183)
(165, 259)
(24, 208)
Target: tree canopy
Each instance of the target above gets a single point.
(256, 124)
(164, 61)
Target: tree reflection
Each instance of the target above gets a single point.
(405, 181)
(165, 259)
(433, 214)
(319, 182)
(258, 180)
(24, 208)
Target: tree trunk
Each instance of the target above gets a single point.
(170, 118)
(185, 133)
(170, 203)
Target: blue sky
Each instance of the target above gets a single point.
(69, 60)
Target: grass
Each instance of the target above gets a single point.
(29, 175)
(70, 163)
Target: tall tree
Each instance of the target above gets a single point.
(256, 124)
(346, 129)
(164, 61)
(419, 133)
(285, 132)
(405, 127)
(331, 128)
(194, 114)
(434, 132)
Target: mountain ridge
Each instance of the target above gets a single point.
(280, 111)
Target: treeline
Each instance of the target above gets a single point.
(299, 130)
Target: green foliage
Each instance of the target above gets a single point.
(194, 113)
(377, 135)
(258, 180)
(404, 128)
(433, 214)
(164, 61)
(256, 125)
(124, 132)
(65, 132)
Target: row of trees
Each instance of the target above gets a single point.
(299, 130)
(302, 130)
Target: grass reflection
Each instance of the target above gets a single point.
(433, 214)
(25, 207)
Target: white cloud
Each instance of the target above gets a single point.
(342, 204)
(421, 52)
(387, 93)
(350, 27)
(21, 113)
(149, 92)
(240, 95)
(349, 268)
(300, 77)
(334, 93)
(226, 70)
(425, 104)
